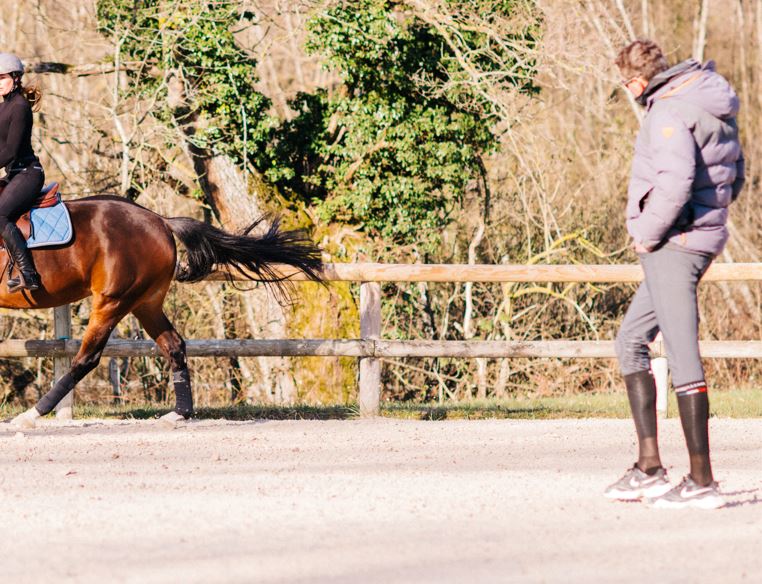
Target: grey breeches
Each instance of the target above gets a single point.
(665, 301)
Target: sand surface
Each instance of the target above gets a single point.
(373, 501)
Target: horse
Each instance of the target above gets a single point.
(125, 257)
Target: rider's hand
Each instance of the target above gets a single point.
(638, 247)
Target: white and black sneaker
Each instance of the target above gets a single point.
(635, 484)
(690, 494)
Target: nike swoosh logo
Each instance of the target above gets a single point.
(686, 494)
(634, 482)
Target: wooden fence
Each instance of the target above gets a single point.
(369, 348)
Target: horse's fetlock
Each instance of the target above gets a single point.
(177, 358)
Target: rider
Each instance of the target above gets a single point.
(24, 175)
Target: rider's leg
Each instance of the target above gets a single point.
(638, 329)
(672, 277)
(17, 197)
(16, 245)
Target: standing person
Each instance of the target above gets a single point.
(24, 175)
(687, 169)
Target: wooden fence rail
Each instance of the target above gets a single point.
(370, 348)
(369, 272)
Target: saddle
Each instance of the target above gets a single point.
(49, 196)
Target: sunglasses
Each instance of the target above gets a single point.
(642, 82)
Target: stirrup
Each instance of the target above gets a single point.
(29, 281)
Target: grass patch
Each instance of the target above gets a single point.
(740, 403)
(576, 406)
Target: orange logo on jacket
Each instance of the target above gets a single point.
(667, 131)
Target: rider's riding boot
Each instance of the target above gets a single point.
(16, 245)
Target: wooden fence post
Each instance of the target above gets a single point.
(370, 367)
(660, 371)
(62, 331)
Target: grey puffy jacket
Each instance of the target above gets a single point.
(688, 165)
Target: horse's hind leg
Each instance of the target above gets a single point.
(105, 315)
(172, 346)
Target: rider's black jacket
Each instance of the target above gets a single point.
(16, 132)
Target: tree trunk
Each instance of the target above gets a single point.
(225, 188)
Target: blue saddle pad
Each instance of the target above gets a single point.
(50, 226)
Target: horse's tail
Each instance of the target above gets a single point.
(252, 256)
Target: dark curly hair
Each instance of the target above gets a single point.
(31, 93)
(641, 58)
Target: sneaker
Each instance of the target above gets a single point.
(636, 484)
(690, 494)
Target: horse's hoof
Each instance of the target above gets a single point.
(28, 419)
(172, 419)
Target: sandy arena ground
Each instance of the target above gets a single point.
(364, 502)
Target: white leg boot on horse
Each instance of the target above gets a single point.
(173, 419)
(27, 419)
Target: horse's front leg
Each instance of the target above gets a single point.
(105, 315)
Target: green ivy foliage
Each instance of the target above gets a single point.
(383, 151)
(194, 41)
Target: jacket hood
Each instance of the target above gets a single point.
(711, 91)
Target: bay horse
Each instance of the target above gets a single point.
(125, 257)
